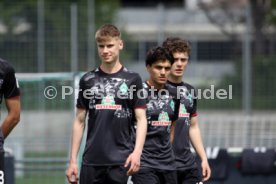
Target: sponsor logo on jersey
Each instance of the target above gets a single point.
(190, 97)
(108, 102)
(183, 111)
(163, 120)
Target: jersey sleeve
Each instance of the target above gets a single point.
(10, 85)
(194, 108)
(82, 102)
(139, 100)
(176, 108)
(173, 93)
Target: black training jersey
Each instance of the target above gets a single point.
(188, 109)
(162, 110)
(110, 100)
(8, 84)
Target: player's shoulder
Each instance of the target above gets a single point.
(130, 73)
(131, 76)
(90, 75)
(5, 67)
(182, 87)
(171, 89)
(188, 86)
(146, 86)
(190, 89)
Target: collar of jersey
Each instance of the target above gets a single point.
(175, 84)
(110, 74)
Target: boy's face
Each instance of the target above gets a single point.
(180, 63)
(109, 49)
(159, 71)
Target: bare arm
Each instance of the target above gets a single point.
(77, 133)
(172, 131)
(141, 131)
(196, 140)
(13, 117)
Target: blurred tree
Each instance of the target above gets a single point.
(271, 19)
(16, 40)
(259, 12)
(228, 15)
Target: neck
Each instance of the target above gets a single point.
(111, 67)
(155, 85)
(175, 79)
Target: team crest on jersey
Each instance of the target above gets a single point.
(183, 111)
(190, 98)
(172, 104)
(163, 120)
(108, 102)
(123, 88)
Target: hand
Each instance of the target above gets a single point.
(72, 173)
(133, 162)
(206, 171)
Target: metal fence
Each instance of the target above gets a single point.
(42, 37)
(40, 142)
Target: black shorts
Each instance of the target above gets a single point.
(103, 175)
(189, 176)
(154, 176)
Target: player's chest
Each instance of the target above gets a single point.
(116, 87)
(160, 107)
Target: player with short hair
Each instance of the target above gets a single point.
(187, 128)
(112, 109)
(157, 160)
(9, 89)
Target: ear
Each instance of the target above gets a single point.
(148, 68)
(121, 44)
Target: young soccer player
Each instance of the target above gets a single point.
(187, 128)
(108, 96)
(9, 88)
(157, 161)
